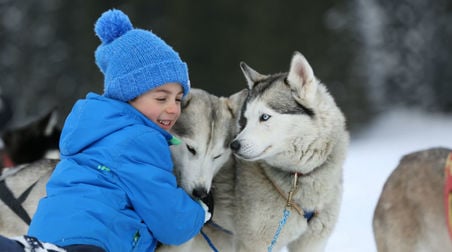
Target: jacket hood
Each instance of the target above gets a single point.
(96, 117)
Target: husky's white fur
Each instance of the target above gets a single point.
(410, 215)
(289, 124)
(206, 127)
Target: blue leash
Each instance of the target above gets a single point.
(215, 225)
(283, 221)
(211, 245)
(286, 212)
(208, 240)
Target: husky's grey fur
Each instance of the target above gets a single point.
(206, 128)
(410, 214)
(289, 124)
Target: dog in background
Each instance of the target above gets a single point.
(6, 111)
(25, 170)
(410, 215)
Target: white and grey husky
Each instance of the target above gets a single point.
(206, 128)
(291, 148)
(204, 163)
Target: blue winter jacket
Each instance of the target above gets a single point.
(114, 186)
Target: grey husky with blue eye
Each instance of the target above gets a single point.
(290, 150)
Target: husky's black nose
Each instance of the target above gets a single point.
(235, 145)
(207, 198)
(199, 192)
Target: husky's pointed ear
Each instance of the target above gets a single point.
(52, 120)
(235, 102)
(45, 124)
(301, 78)
(251, 75)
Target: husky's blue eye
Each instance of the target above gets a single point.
(264, 117)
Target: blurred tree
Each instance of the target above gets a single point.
(371, 54)
(406, 52)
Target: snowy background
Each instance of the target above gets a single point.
(372, 157)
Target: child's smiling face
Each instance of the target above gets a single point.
(162, 105)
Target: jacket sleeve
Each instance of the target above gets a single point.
(145, 171)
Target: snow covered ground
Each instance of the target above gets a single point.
(372, 157)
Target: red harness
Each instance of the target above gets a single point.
(448, 193)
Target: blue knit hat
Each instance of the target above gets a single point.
(134, 61)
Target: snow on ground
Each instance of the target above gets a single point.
(372, 156)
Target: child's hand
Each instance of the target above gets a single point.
(207, 215)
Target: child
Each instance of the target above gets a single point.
(114, 188)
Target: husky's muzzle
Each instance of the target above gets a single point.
(206, 197)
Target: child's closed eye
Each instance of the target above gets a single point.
(161, 99)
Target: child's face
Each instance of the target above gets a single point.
(161, 105)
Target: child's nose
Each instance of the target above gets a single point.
(173, 108)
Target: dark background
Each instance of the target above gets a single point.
(373, 55)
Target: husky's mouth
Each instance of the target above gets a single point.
(249, 157)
